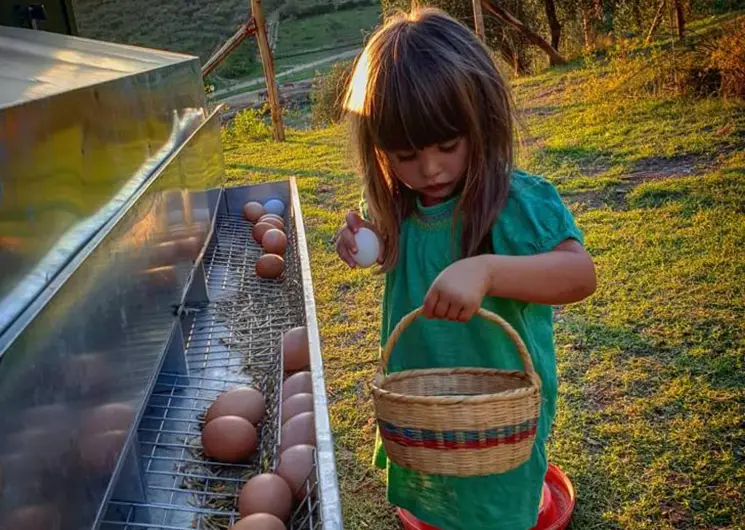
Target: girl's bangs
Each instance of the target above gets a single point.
(422, 107)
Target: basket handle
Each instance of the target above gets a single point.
(483, 313)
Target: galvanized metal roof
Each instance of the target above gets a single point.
(37, 64)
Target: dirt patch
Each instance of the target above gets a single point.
(645, 170)
(657, 167)
(539, 110)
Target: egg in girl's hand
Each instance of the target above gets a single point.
(274, 241)
(368, 247)
(299, 430)
(229, 439)
(296, 349)
(299, 383)
(270, 266)
(274, 220)
(266, 493)
(259, 230)
(245, 402)
(252, 211)
(295, 405)
(274, 206)
(259, 521)
(295, 466)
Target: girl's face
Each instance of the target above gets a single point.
(435, 171)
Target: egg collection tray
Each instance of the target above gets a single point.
(232, 340)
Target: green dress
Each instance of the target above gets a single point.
(534, 220)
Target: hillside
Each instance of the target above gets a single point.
(652, 378)
(185, 26)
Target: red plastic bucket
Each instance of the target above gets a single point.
(557, 505)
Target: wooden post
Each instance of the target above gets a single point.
(478, 19)
(268, 63)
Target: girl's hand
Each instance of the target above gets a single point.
(346, 246)
(458, 291)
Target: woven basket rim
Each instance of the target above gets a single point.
(506, 395)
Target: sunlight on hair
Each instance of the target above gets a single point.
(355, 101)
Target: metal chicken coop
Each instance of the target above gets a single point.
(128, 297)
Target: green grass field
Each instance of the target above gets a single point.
(301, 35)
(305, 40)
(651, 420)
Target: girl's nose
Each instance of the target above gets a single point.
(429, 164)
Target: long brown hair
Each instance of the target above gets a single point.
(422, 79)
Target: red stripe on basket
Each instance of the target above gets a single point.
(471, 444)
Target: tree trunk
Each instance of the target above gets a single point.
(553, 23)
(530, 35)
(655, 22)
(680, 14)
(637, 13)
(588, 32)
(478, 20)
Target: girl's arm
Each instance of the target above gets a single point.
(562, 276)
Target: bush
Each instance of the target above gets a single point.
(633, 72)
(327, 94)
(727, 57)
(249, 124)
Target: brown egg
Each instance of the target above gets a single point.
(245, 402)
(259, 521)
(273, 220)
(274, 242)
(188, 247)
(230, 439)
(299, 383)
(273, 216)
(159, 276)
(87, 371)
(296, 350)
(164, 254)
(109, 417)
(295, 466)
(252, 211)
(267, 493)
(270, 266)
(32, 517)
(100, 451)
(295, 405)
(299, 430)
(259, 230)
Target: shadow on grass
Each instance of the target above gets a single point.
(572, 162)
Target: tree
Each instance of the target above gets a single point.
(553, 23)
(530, 35)
(680, 16)
(656, 21)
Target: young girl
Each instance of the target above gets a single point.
(460, 229)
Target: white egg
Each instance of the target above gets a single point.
(274, 206)
(368, 247)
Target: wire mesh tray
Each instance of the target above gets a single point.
(233, 340)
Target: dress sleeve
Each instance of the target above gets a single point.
(535, 219)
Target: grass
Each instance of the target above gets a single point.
(331, 33)
(650, 424)
(300, 35)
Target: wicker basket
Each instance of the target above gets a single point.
(457, 421)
